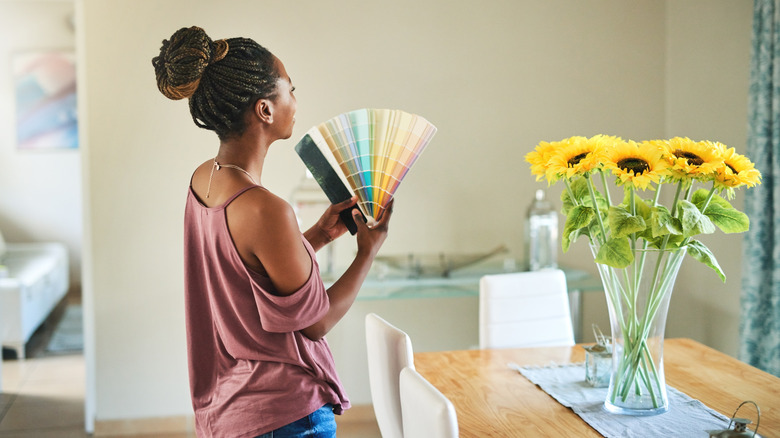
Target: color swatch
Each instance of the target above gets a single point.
(372, 150)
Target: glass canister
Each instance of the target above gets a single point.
(598, 365)
(541, 234)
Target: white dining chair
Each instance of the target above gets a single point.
(524, 309)
(389, 351)
(426, 412)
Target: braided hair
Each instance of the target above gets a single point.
(221, 79)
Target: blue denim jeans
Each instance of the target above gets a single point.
(319, 424)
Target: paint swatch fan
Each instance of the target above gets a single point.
(366, 152)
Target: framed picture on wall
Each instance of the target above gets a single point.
(45, 92)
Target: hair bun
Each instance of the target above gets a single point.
(183, 59)
(220, 50)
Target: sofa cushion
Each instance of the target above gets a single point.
(29, 262)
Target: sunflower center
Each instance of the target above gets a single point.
(573, 161)
(733, 170)
(690, 157)
(636, 165)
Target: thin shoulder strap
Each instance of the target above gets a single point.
(239, 193)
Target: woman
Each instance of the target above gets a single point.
(256, 308)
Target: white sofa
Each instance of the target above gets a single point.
(33, 281)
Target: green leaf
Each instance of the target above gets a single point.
(662, 222)
(579, 217)
(616, 253)
(576, 186)
(623, 224)
(700, 196)
(642, 206)
(645, 207)
(721, 212)
(573, 236)
(692, 220)
(700, 252)
(579, 187)
(566, 201)
(669, 241)
(730, 220)
(567, 239)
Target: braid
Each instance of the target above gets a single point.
(220, 78)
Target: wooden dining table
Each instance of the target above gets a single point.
(493, 400)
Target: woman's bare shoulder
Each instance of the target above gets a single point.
(261, 201)
(266, 234)
(260, 212)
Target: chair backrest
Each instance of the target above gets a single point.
(427, 413)
(524, 309)
(389, 351)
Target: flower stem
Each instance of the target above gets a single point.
(666, 238)
(592, 193)
(657, 195)
(688, 192)
(606, 186)
(709, 198)
(676, 198)
(571, 193)
(637, 375)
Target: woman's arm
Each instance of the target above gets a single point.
(265, 232)
(277, 242)
(344, 291)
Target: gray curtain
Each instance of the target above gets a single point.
(760, 317)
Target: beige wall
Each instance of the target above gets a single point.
(495, 77)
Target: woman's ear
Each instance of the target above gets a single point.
(264, 110)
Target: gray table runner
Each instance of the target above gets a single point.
(686, 417)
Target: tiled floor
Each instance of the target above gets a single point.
(43, 397)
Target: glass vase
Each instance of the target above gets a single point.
(638, 300)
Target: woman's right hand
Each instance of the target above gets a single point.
(370, 239)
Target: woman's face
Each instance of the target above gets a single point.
(284, 103)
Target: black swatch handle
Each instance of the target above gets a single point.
(327, 178)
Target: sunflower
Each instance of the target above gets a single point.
(636, 164)
(690, 159)
(576, 156)
(540, 158)
(737, 170)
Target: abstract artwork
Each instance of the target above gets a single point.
(45, 90)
